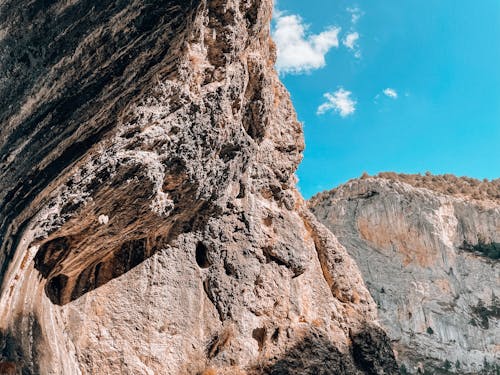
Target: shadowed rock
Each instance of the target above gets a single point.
(370, 353)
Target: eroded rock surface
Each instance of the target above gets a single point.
(429, 262)
(149, 219)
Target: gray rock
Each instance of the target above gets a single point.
(429, 287)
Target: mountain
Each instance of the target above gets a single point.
(149, 220)
(428, 248)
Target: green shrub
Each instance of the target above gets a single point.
(447, 365)
(485, 313)
(489, 250)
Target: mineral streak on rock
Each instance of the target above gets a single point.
(430, 261)
(149, 217)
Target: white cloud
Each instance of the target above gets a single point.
(339, 101)
(356, 14)
(298, 50)
(350, 40)
(391, 93)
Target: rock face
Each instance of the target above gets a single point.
(422, 255)
(149, 221)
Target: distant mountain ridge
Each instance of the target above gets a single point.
(447, 184)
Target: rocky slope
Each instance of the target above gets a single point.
(149, 222)
(430, 260)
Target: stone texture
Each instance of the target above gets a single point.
(429, 287)
(149, 220)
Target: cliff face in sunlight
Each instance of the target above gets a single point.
(430, 261)
(149, 221)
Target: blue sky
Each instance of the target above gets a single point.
(412, 86)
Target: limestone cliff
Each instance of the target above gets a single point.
(149, 221)
(430, 260)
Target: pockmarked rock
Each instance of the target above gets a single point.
(149, 220)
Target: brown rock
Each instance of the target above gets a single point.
(149, 220)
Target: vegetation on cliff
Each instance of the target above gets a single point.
(447, 184)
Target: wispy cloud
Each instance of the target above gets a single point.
(350, 40)
(391, 93)
(339, 101)
(356, 14)
(299, 51)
